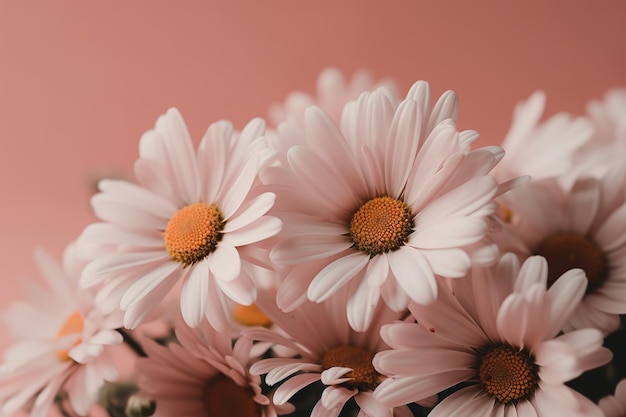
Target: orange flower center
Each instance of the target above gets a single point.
(224, 398)
(193, 233)
(381, 225)
(363, 374)
(74, 324)
(251, 316)
(508, 374)
(565, 251)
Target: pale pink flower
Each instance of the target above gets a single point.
(541, 149)
(615, 405)
(584, 227)
(328, 350)
(333, 92)
(383, 203)
(608, 144)
(60, 344)
(507, 351)
(193, 217)
(204, 374)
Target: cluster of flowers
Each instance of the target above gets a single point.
(357, 259)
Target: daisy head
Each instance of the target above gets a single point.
(501, 355)
(584, 227)
(60, 344)
(193, 217)
(204, 374)
(384, 202)
(327, 352)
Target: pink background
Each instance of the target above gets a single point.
(80, 81)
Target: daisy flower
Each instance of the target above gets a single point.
(204, 375)
(60, 344)
(541, 149)
(333, 92)
(388, 200)
(615, 405)
(193, 217)
(582, 228)
(511, 363)
(327, 350)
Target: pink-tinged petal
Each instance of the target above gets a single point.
(212, 158)
(558, 362)
(451, 263)
(512, 321)
(449, 320)
(171, 127)
(241, 290)
(394, 296)
(611, 234)
(336, 397)
(110, 209)
(323, 180)
(371, 407)
(446, 107)
(292, 291)
(224, 262)
(233, 194)
(587, 344)
(258, 230)
(250, 211)
(135, 315)
(566, 293)
(110, 234)
(469, 401)
(328, 139)
(414, 274)
(279, 373)
(115, 262)
(147, 283)
(306, 248)
(582, 205)
(266, 335)
(335, 375)
(290, 387)
(464, 200)
(377, 270)
(400, 390)
(420, 93)
(560, 400)
(194, 293)
(217, 310)
(402, 146)
(152, 175)
(425, 360)
(447, 233)
(533, 271)
(138, 197)
(335, 275)
(362, 304)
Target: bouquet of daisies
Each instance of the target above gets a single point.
(353, 256)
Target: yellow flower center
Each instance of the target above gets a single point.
(508, 374)
(363, 374)
(565, 251)
(193, 233)
(251, 316)
(224, 398)
(381, 225)
(74, 324)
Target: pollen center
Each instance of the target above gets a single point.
(224, 398)
(193, 232)
(508, 374)
(381, 225)
(363, 374)
(251, 316)
(565, 251)
(74, 324)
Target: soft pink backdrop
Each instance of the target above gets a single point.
(81, 80)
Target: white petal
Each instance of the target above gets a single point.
(336, 275)
(225, 262)
(194, 293)
(414, 274)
